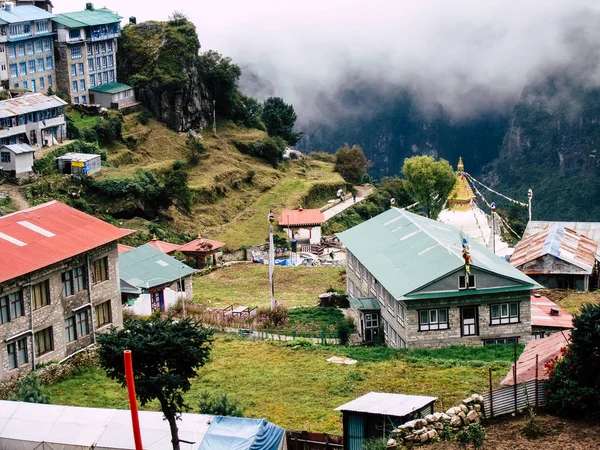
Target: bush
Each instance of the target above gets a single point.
(532, 429)
(299, 342)
(322, 156)
(351, 163)
(375, 444)
(474, 434)
(219, 405)
(108, 131)
(344, 330)
(195, 149)
(31, 390)
(268, 318)
(144, 116)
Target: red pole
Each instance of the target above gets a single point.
(135, 420)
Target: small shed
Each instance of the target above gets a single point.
(200, 249)
(294, 219)
(17, 160)
(366, 315)
(376, 414)
(113, 95)
(79, 164)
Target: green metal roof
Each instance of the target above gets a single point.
(364, 304)
(87, 18)
(406, 252)
(146, 267)
(111, 88)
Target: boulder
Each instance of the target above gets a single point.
(472, 415)
(438, 425)
(450, 412)
(455, 421)
(466, 422)
(468, 400)
(438, 415)
(464, 409)
(477, 408)
(432, 434)
(462, 415)
(430, 418)
(477, 398)
(424, 437)
(391, 443)
(409, 424)
(445, 417)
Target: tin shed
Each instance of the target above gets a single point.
(376, 414)
(78, 164)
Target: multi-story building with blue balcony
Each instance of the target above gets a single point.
(26, 48)
(86, 51)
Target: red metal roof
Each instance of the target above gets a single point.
(201, 245)
(121, 248)
(46, 234)
(546, 349)
(164, 246)
(300, 217)
(540, 314)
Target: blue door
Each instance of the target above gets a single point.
(33, 86)
(356, 432)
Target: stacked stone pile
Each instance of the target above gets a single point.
(423, 430)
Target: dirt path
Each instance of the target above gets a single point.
(362, 192)
(15, 194)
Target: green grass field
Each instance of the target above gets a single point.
(571, 301)
(248, 285)
(298, 390)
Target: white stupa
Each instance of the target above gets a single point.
(463, 213)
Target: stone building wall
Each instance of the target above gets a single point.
(60, 308)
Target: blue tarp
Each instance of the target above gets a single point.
(236, 433)
(284, 262)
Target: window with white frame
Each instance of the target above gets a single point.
(381, 296)
(47, 43)
(400, 314)
(509, 340)
(49, 62)
(433, 319)
(40, 64)
(75, 86)
(12, 53)
(29, 48)
(31, 66)
(504, 313)
(462, 282)
(390, 301)
(349, 262)
(76, 52)
(80, 69)
(41, 26)
(371, 320)
(13, 71)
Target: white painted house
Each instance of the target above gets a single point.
(17, 160)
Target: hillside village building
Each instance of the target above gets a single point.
(16, 160)
(86, 47)
(59, 284)
(26, 48)
(34, 119)
(558, 258)
(414, 269)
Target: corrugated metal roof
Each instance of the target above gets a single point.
(387, 404)
(112, 88)
(201, 245)
(541, 309)
(24, 13)
(588, 229)
(87, 18)
(122, 248)
(364, 304)
(29, 103)
(560, 242)
(19, 148)
(80, 157)
(49, 233)
(405, 252)
(146, 267)
(299, 217)
(546, 349)
(163, 246)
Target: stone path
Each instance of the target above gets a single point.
(362, 192)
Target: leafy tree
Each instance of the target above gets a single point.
(219, 405)
(429, 182)
(573, 389)
(220, 75)
(280, 118)
(176, 188)
(248, 111)
(165, 354)
(195, 149)
(31, 390)
(351, 163)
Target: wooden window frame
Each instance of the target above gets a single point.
(429, 324)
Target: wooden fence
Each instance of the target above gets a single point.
(303, 440)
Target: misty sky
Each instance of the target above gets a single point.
(467, 55)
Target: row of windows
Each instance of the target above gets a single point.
(102, 78)
(76, 327)
(79, 86)
(392, 338)
(36, 116)
(500, 314)
(22, 29)
(33, 86)
(100, 48)
(31, 66)
(11, 307)
(99, 63)
(28, 48)
(77, 100)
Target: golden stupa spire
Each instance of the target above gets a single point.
(461, 196)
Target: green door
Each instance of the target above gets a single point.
(356, 432)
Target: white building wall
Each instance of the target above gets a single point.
(143, 306)
(23, 163)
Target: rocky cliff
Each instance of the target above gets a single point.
(160, 60)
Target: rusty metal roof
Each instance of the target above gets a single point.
(201, 245)
(560, 242)
(29, 103)
(588, 229)
(301, 217)
(164, 246)
(545, 349)
(49, 233)
(541, 313)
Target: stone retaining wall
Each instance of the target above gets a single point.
(433, 425)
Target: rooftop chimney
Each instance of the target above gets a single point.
(132, 20)
(554, 311)
(8, 6)
(89, 6)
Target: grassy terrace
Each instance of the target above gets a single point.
(248, 284)
(297, 389)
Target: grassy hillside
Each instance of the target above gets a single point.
(231, 192)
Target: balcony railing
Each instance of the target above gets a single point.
(103, 36)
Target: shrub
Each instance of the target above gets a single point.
(195, 148)
(108, 131)
(299, 342)
(322, 156)
(344, 330)
(474, 434)
(144, 116)
(351, 163)
(532, 429)
(375, 444)
(272, 318)
(31, 390)
(219, 404)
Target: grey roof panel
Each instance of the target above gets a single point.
(19, 148)
(387, 404)
(24, 14)
(28, 103)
